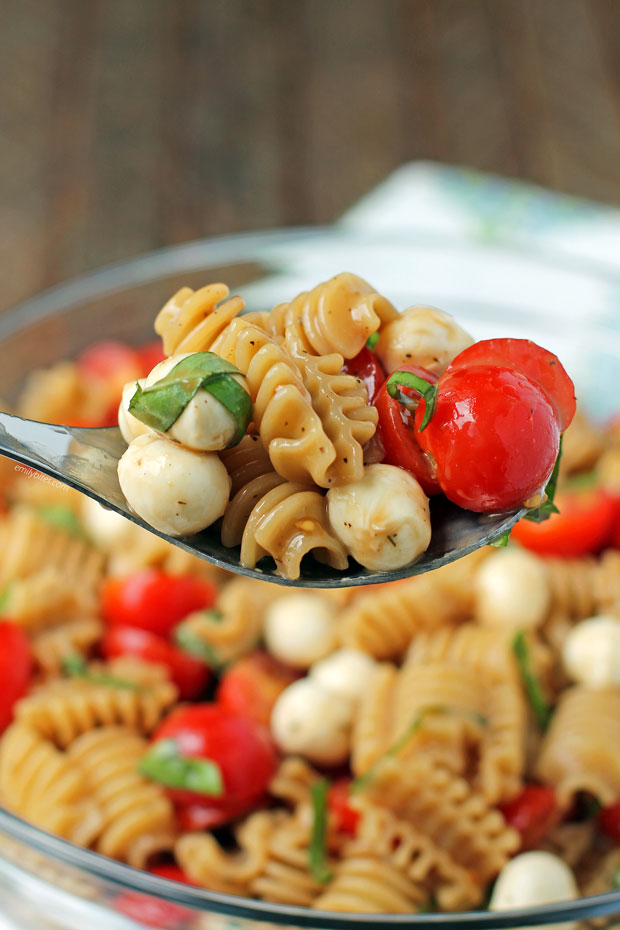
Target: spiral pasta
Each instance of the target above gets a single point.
(286, 877)
(75, 637)
(192, 320)
(369, 885)
(245, 462)
(582, 587)
(61, 394)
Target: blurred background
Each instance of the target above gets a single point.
(126, 125)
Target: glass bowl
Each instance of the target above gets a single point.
(572, 309)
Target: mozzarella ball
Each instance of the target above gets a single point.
(300, 629)
(591, 652)
(533, 878)
(511, 590)
(346, 672)
(205, 425)
(383, 519)
(131, 427)
(421, 336)
(313, 722)
(105, 527)
(174, 490)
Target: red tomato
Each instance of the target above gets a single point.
(154, 912)
(172, 872)
(345, 817)
(252, 685)
(152, 600)
(203, 815)
(538, 364)
(367, 367)
(583, 525)
(150, 354)
(242, 749)
(189, 674)
(114, 363)
(533, 813)
(15, 669)
(493, 435)
(609, 821)
(396, 434)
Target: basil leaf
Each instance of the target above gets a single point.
(161, 404)
(372, 341)
(76, 666)
(163, 763)
(502, 541)
(317, 851)
(63, 518)
(5, 596)
(542, 513)
(425, 388)
(186, 638)
(533, 688)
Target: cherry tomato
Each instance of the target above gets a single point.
(241, 748)
(15, 669)
(172, 872)
(203, 815)
(189, 674)
(533, 813)
(114, 363)
(609, 821)
(494, 437)
(154, 912)
(346, 818)
(252, 685)
(150, 354)
(366, 366)
(538, 364)
(396, 434)
(152, 600)
(583, 525)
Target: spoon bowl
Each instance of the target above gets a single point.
(86, 459)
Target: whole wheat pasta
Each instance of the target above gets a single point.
(74, 637)
(292, 782)
(243, 503)
(370, 737)
(245, 462)
(286, 876)
(191, 320)
(369, 885)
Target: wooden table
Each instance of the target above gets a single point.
(129, 124)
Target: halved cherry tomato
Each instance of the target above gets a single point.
(396, 434)
(583, 525)
(241, 748)
(345, 818)
(493, 435)
(538, 364)
(533, 813)
(150, 354)
(153, 600)
(189, 674)
(253, 684)
(366, 366)
(609, 821)
(15, 669)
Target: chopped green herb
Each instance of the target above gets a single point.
(76, 666)
(502, 541)
(187, 639)
(63, 518)
(5, 595)
(542, 513)
(317, 852)
(533, 688)
(372, 341)
(163, 763)
(425, 388)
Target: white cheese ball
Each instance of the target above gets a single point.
(300, 629)
(205, 425)
(383, 519)
(533, 878)
(105, 527)
(421, 336)
(174, 490)
(311, 721)
(512, 590)
(346, 672)
(129, 425)
(591, 652)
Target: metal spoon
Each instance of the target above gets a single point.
(86, 459)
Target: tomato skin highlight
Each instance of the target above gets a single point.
(533, 813)
(253, 684)
(15, 669)
(493, 435)
(154, 601)
(529, 359)
(609, 821)
(190, 675)
(368, 368)
(583, 526)
(346, 819)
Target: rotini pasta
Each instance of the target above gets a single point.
(192, 320)
(74, 637)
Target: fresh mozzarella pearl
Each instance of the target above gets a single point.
(313, 722)
(299, 629)
(205, 425)
(383, 519)
(534, 878)
(174, 490)
(131, 427)
(345, 672)
(512, 590)
(591, 652)
(105, 527)
(422, 336)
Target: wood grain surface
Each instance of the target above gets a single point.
(130, 124)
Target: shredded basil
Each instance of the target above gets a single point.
(372, 341)
(63, 518)
(502, 541)
(533, 688)
(189, 641)
(164, 763)
(76, 666)
(317, 852)
(161, 404)
(542, 513)
(425, 388)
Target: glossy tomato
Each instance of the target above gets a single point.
(367, 367)
(533, 813)
(242, 750)
(15, 669)
(493, 435)
(204, 815)
(189, 674)
(345, 818)
(538, 364)
(111, 363)
(172, 872)
(397, 435)
(582, 527)
(609, 821)
(253, 684)
(153, 600)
